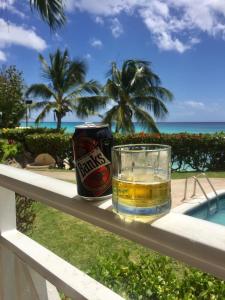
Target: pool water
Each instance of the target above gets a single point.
(212, 212)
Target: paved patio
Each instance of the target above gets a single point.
(177, 184)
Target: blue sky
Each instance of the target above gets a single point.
(184, 40)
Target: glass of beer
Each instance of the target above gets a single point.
(141, 181)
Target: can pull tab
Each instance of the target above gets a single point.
(89, 124)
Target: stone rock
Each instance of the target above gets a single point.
(44, 159)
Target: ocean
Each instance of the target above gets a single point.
(164, 127)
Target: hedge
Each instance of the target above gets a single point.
(19, 134)
(199, 152)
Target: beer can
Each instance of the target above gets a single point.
(92, 145)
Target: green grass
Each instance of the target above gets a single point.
(182, 175)
(76, 241)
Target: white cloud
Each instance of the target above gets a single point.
(194, 104)
(11, 34)
(100, 7)
(174, 24)
(6, 3)
(198, 111)
(116, 27)
(9, 5)
(99, 20)
(2, 56)
(96, 43)
(166, 29)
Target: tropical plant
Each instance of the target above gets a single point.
(51, 11)
(12, 105)
(66, 87)
(135, 90)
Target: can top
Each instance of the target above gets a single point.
(87, 125)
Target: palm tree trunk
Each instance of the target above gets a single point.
(117, 128)
(59, 121)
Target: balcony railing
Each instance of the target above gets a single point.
(30, 271)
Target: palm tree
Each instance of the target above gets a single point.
(51, 11)
(66, 88)
(135, 90)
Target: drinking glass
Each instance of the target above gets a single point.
(141, 181)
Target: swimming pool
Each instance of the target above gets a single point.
(213, 211)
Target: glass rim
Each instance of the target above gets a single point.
(161, 147)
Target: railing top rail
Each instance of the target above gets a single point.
(176, 235)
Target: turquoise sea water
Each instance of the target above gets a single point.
(164, 127)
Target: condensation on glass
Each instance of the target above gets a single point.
(141, 181)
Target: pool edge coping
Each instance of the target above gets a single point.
(192, 203)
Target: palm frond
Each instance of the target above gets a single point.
(51, 11)
(40, 90)
(44, 112)
(151, 103)
(161, 92)
(111, 115)
(38, 105)
(114, 73)
(46, 71)
(145, 119)
(134, 72)
(91, 87)
(76, 72)
(111, 89)
(59, 64)
(89, 105)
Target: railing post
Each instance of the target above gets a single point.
(17, 280)
(7, 222)
(7, 210)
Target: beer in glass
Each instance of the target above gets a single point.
(141, 181)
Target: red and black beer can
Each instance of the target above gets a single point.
(92, 145)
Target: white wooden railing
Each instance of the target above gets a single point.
(30, 271)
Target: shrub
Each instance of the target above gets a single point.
(57, 144)
(19, 134)
(198, 285)
(155, 277)
(25, 214)
(8, 151)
